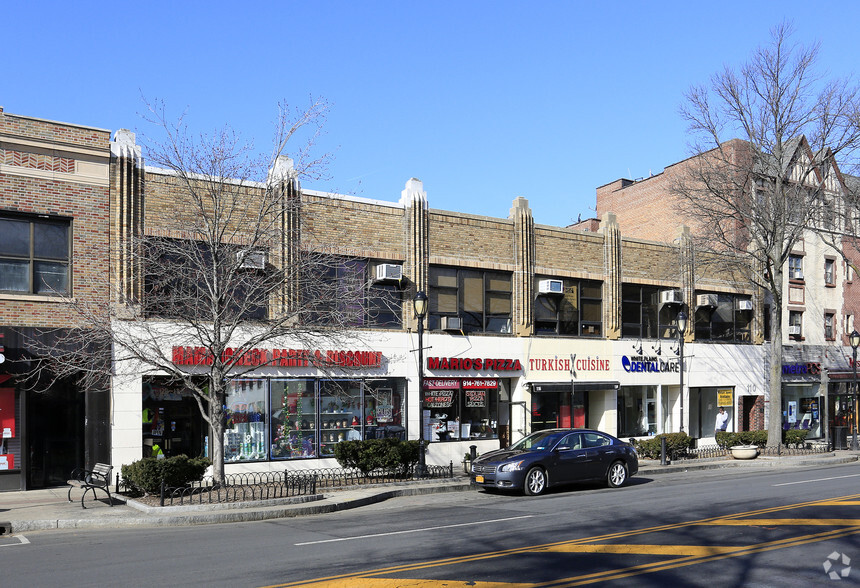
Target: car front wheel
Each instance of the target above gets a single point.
(617, 474)
(536, 481)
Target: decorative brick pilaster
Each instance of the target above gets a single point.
(414, 201)
(688, 279)
(524, 261)
(613, 272)
(127, 218)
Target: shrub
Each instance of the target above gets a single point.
(677, 445)
(757, 438)
(372, 454)
(146, 474)
(795, 437)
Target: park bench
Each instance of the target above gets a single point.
(97, 478)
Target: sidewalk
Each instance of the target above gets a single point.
(37, 510)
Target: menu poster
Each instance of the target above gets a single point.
(476, 398)
(438, 398)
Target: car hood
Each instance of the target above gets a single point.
(502, 455)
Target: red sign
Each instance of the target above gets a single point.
(474, 364)
(280, 357)
(466, 383)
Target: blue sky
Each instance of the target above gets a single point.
(482, 101)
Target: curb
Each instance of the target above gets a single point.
(763, 463)
(316, 505)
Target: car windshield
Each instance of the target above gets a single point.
(535, 441)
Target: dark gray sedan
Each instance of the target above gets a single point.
(556, 456)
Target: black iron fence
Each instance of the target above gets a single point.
(714, 451)
(258, 486)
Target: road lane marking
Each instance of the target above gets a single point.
(352, 579)
(789, 522)
(816, 480)
(643, 549)
(421, 530)
(21, 541)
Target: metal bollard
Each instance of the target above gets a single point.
(473, 452)
(663, 460)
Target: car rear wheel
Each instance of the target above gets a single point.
(617, 474)
(536, 481)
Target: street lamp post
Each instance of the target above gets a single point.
(854, 339)
(419, 304)
(682, 328)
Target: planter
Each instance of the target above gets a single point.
(744, 451)
(467, 466)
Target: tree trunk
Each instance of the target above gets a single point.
(774, 400)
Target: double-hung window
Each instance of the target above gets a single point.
(795, 267)
(829, 274)
(35, 255)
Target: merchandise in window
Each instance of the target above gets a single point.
(341, 415)
(34, 256)
(245, 431)
(294, 418)
(466, 412)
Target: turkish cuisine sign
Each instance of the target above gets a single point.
(280, 357)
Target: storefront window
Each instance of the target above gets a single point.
(294, 422)
(341, 415)
(802, 409)
(637, 411)
(462, 409)
(245, 432)
(171, 420)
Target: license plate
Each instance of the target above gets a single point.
(479, 479)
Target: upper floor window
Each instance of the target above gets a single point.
(195, 281)
(346, 291)
(34, 255)
(724, 317)
(795, 267)
(644, 316)
(829, 324)
(829, 272)
(795, 324)
(480, 299)
(568, 307)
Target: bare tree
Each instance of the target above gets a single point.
(231, 266)
(752, 198)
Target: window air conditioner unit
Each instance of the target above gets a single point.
(452, 323)
(794, 329)
(671, 297)
(251, 259)
(388, 272)
(551, 287)
(706, 300)
(745, 304)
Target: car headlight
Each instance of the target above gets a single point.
(511, 467)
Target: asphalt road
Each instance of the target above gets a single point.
(717, 528)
